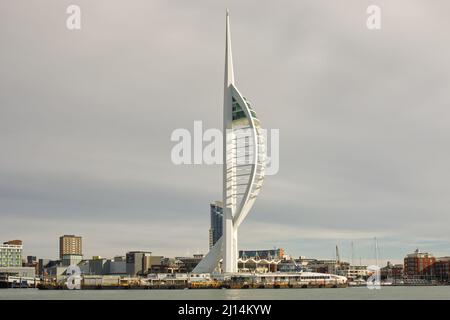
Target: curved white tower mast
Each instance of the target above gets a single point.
(243, 169)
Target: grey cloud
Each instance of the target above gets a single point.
(86, 118)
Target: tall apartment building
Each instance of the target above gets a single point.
(216, 228)
(419, 264)
(11, 254)
(70, 245)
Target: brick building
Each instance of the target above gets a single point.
(442, 269)
(419, 264)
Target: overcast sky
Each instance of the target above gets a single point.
(86, 118)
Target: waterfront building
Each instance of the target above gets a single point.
(304, 261)
(12, 268)
(243, 168)
(70, 245)
(260, 265)
(21, 272)
(392, 271)
(43, 264)
(71, 259)
(117, 266)
(138, 262)
(357, 272)
(98, 266)
(288, 265)
(188, 264)
(216, 228)
(328, 266)
(11, 254)
(442, 269)
(419, 264)
(168, 266)
(263, 261)
(262, 254)
(101, 266)
(55, 271)
(151, 261)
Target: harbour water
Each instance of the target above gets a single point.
(355, 293)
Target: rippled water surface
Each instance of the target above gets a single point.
(263, 294)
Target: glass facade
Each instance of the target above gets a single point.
(216, 223)
(245, 163)
(10, 255)
(238, 113)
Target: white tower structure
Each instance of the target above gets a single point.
(243, 168)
